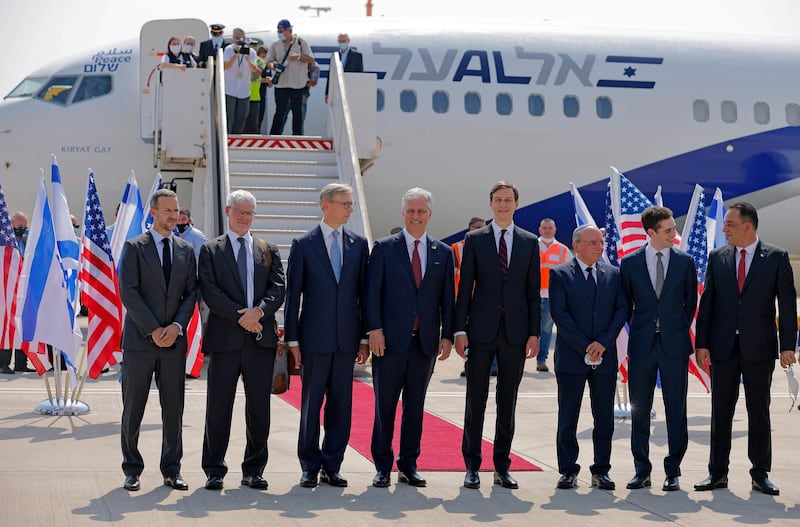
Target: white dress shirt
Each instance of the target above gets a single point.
(652, 260)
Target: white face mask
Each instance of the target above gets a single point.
(281, 37)
(217, 41)
(175, 49)
(189, 48)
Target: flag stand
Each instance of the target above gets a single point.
(61, 405)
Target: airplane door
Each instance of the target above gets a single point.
(153, 40)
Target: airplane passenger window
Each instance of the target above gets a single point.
(381, 100)
(93, 86)
(793, 114)
(603, 107)
(503, 103)
(408, 101)
(729, 112)
(571, 106)
(701, 110)
(761, 112)
(27, 88)
(536, 105)
(472, 103)
(58, 89)
(441, 101)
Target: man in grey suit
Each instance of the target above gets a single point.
(660, 283)
(736, 331)
(497, 315)
(241, 281)
(158, 287)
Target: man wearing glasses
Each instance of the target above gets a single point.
(326, 277)
(736, 331)
(242, 282)
(288, 57)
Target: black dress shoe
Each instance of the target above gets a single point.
(639, 482)
(472, 480)
(411, 478)
(6, 370)
(382, 479)
(711, 483)
(334, 479)
(505, 479)
(214, 483)
(255, 481)
(603, 482)
(671, 484)
(131, 483)
(176, 482)
(567, 481)
(309, 479)
(766, 486)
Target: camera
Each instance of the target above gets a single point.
(243, 49)
(278, 70)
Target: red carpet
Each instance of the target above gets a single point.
(441, 440)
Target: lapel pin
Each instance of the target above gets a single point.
(433, 247)
(763, 253)
(351, 240)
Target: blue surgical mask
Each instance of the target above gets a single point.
(217, 41)
(342, 46)
(282, 37)
(189, 48)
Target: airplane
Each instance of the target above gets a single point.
(462, 105)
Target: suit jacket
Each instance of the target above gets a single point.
(674, 311)
(484, 297)
(207, 50)
(150, 304)
(581, 321)
(222, 291)
(723, 310)
(355, 63)
(393, 299)
(330, 318)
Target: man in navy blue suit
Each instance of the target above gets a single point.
(326, 273)
(589, 308)
(660, 284)
(497, 316)
(409, 311)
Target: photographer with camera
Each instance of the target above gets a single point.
(288, 57)
(239, 61)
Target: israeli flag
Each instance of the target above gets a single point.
(148, 218)
(66, 240)
(129, 219)
(715, 221)
(582, 214)
(47, 314)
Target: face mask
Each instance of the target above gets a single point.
(189, 48)
(342, 46)
(182, 227)
(546, 240)
(19, 232)
(217, 41)
(282, 37)
(175, 49)
(77, 230)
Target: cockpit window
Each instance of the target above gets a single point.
(27, 88)
(93, 86)
(58, 89)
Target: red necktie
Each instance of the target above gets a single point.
(741, 274)
(416, 268)
(502, 254)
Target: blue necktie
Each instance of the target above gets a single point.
(241, 263)
(336, 256)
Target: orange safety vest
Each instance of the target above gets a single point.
(458, 253)
(554, 255)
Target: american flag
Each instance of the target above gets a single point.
(100, 288)
(696, 245)
(12, 265)
(194, 355)
(624, 206)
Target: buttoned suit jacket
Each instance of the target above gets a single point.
(724, 310)
(393, 300)
(484, 299)
(222, 290)
(581, 321)
(149, 303)
(322, 315)
(674, 310)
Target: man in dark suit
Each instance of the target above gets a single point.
(409, 311)
(736, 332)
(326, 274)
(351, 59)
(497, 315)
(660, 283)
(158, 287)
(208, 48)
(589, 308)
(241, 281)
